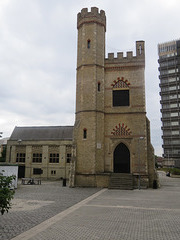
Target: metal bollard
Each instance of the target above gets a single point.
(64, 182)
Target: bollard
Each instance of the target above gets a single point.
(155, 184)
(64, 182)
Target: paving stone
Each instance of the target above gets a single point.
(61, 198)
(113, 214)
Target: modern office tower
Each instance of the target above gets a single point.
(169, 68)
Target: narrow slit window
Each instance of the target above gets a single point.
(84, 133)
(140, 49)
(99, 86)
(88, 43)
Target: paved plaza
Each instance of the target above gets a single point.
(50, 211)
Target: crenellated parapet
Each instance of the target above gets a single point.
(138, 59)
(94, 16)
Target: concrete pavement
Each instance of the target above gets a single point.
(111, 214)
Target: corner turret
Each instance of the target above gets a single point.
(88, 17)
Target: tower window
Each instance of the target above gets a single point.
(84, 133)
(88, 43)
(99, 86)
(140, 49)
(120, 98)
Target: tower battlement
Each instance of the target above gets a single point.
(139, 57)
(89, 17)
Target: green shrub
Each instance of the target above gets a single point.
(6, 194)
(174, 171)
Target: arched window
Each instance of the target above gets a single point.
(84, 133)
(88, 43)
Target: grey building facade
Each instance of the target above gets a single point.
(169, 68)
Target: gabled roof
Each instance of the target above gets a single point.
(42, 133)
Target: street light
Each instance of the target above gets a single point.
(64, 179)
(19, 141)
(139, 178)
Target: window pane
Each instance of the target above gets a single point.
(121, 98)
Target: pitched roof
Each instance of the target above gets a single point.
(42, 133)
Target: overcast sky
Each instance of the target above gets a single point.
(38, 51)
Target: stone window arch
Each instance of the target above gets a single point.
(120, 92)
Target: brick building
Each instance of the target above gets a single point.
(41, 151)
(111, 132)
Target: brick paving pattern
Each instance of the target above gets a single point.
(113, 214)
(58, 199)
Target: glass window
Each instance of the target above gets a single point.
(54, 157)
(88, 43)
(166, 115)
(174, 114)
(53, 172)
(174, 123)
(37, 157)
(172, 88)
(120, 98)
(37, 171)
(99, 87)
(173, 105)
(20, 157)
(175, 132)
(68, 157)
(173, 96)
(84, 133)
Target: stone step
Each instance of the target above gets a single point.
(122, 181)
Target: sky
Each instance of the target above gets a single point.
(38, 53)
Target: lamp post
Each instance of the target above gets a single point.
(139, 178)
(64, 179)
(0, 145)
(19, 142)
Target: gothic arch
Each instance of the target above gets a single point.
(121, 158)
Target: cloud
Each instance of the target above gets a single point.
(38, 55)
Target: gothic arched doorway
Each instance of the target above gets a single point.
(121, 159)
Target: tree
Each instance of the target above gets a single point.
(3, 155)
(6, 194)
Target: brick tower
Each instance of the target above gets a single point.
(111, 132)
(89, 126)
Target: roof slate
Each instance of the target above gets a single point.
(42, 133)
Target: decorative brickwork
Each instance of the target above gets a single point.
(121, 130)
(120, 83)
